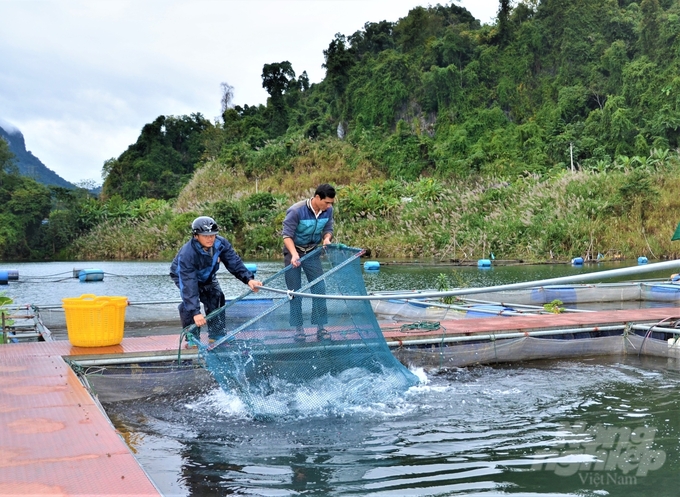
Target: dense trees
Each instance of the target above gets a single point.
(160, 162)
(436, 93)
(24, 203)
(278, 78)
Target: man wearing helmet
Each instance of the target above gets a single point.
(193, 271)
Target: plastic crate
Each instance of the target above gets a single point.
(93, 321)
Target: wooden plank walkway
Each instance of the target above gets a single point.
(54, 439)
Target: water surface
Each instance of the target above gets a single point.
(46, 283)
(606, 426)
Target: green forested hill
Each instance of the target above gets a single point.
(436, 111)
(551, 82)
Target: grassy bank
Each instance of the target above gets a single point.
(622, 213)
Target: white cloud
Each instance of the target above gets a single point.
(7, 126)
(91, 142)
(80, 78)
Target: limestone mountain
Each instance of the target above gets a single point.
(28, 164)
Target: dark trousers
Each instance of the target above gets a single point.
(313, 269)
(212, 298)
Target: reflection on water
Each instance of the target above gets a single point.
(595, 427)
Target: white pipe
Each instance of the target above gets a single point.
(674, 331)
(455, 307)
(193, 354)
(19, 336)
(502, 336)
(150, 302)
(599, 275)
(104, 361)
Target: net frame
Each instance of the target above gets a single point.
(262, 356)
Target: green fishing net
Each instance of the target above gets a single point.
(268, 344)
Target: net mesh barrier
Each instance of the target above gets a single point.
(263, 343)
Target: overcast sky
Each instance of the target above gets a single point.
(80, 78)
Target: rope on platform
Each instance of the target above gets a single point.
(81, 372)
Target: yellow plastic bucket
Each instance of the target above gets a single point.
(93, 321)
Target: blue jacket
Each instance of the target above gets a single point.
(193, 267)
(304, 227)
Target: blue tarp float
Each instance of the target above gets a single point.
(86, 275)
(371, 266)
(7, 275)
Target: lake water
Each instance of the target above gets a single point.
(606, 426)
(47, 283)
(593, 427)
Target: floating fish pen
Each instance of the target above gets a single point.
(439, 346)
(423, 331)
(154, 364)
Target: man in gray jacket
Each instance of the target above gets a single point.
(307, 224)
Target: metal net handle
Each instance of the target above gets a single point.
(245, 325)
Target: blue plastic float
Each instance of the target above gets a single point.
(4, 277)
(577, 261)
(251, 266)
(371, 266)
(642, 260)
(484, 263)
(87, 275)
